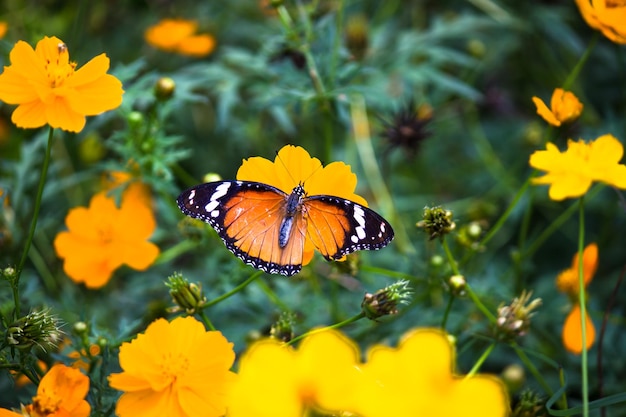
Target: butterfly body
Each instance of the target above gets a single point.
(268, 228)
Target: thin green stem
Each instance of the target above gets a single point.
(234, 290)
(532, 368)
(451, 261)
(447, 312)
(582, 303)
(332, 326)
(272, 296)
(472, 295)
(33, 224)
(389, 273)
(175, 251)
(334, 58)
(206, 320)
(581, 62)
(481, 360)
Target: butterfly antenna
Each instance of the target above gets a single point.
(291, 176)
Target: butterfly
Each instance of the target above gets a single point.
(267, 228)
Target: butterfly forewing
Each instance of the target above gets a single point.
(247, 216)
(338, 226)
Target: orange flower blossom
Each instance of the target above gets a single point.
(175, 369)
(3, 29)
(571, 173)
(607, 16)
(178, 35)
(61, 393)
(103, 237)
(564, 107)
(293, 165)
(49, 90)
(567, 282)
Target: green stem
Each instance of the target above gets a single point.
(479, 304)
(581, 62)
(175, 251)
(481, 360)
(451, 261)
(582, 302)
(206, 320)
(33, 224)
(332, 326)
(447, 312)
(532, 368)
(234, 290)
(390, 273)
(272, 296)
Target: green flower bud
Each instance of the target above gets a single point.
(187, 296)
(38, 328)
(385, 302)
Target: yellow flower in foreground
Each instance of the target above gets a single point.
(292, 166)
(61, 393)
(102, 237)
(275, 380)
(571, 173)
(178, 35)
(564, 107)
(607, 16)
(49, 90)
(419, 379)
(175, 369)
(567, 282)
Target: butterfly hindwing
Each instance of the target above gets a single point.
(338, 226)
(247, 216)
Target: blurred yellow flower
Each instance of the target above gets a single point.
(61, 393)
(571, 173)
(292, 166)
(48, 90)
(4, 26)
(564, 107)
(275, 380)
(102, 237)
(607, 16)
(175, 369)
(567, 282)
(178, 35)
(418, 379)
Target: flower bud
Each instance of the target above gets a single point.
(164, 88)
(211, 177)
(38, 328)
(187, 296)
(283, 328)
(437, 222)
(514, 320)
(457, 284)
(385, 302)
(357, 36)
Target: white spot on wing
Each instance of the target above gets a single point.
(359, 216)
(220, 191)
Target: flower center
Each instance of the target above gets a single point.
(45, 404)
(174, 366)
(105, 234)
(59, 69)
(615, 3)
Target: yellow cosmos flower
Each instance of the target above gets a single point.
(275, 380)
(607, 16)
(564, 107)
(292, 166)
(418, 379)
(49, 90)
(178, 35)
(567, 282)
(102, 237)
(175, 369)
(61, 393)
(571, 173)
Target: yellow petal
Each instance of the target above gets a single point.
(572, 331)
(545, 112)
(30, 115)
(60, 115)
(15, 89)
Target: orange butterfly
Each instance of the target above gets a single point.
(267, 228)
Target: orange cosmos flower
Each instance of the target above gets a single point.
(61, 393)
(49, 90)
(3, 29)
(175, 369)
(607, 16)
(564, 107)
(177, 35)
(292, 166)
(571, 173)
(102, 237)
(567, 282)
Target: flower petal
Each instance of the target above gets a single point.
(545, 112)
(572, 331)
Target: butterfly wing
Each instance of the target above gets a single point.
(247, 216)
(337, 226)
